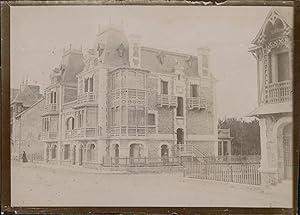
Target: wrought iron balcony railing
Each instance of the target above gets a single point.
(128, 131)
(166, 100)
(196, 103)
(49, 136)
(50, 108)
(279, 92)
(86, 97)
(81, 133)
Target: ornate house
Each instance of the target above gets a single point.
(25, 115)
(121, 102)
(273, 52)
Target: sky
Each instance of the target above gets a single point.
(39, 34)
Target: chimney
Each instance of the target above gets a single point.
(203, 61)
(135, 50)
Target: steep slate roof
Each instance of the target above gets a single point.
(28, 96)
(72, 65)
(150, 61)
(13, 93)
(33, 105)
(283, 12)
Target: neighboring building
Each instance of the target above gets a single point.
(224, 142)
(273, 52)
(25, 120)
(123, 100)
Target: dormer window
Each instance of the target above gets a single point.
(121, 50)
(89, 84)
(189, 62)
(161, 57)
(205, 65)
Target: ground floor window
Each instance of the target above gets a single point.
(91, 153)
(67, 149)
(54, 152)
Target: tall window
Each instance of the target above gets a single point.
(53, 97)
(131, 116)
(117, 116)
(70, 123)
(205, 65)
(86, 85)
(80, 118)
(151, 119)
(164, 87)
(91, 84)
(194, 90)
(45, 124)
(124, 115)
(179, 106)
(113, 116)
(283, 66)
(140, 112)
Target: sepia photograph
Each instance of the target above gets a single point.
(151, 106)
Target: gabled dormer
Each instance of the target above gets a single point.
(273, 52)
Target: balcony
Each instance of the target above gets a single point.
(196, 103)
(83, 133)
(166, 100)
(50, 108)
(133, 96)
(86, 98)
(128, 131)
(69, 134)
(49, 136)
(279, 92)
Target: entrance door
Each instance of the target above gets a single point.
(164, 154)
(287, 152)
(117, 154)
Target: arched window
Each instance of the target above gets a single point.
(70, 123)
(91, 153)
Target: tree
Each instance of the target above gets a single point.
(246, 136)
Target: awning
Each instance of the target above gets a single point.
(272, 109)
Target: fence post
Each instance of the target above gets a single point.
(145, 161)
(111, 161)
(231, 176)
(126, 161)
(102, 160)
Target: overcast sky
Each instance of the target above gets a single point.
(39, 34)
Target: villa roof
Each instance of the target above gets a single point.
(28, 96)
(150, 61)
(285, 13)
(272, 109)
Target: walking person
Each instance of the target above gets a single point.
(24, 157)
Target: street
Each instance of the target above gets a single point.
(34, 185)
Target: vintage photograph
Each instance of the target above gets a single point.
(152, 106)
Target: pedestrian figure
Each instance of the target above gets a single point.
(24, 158)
